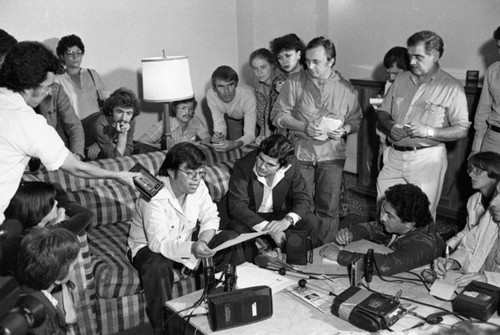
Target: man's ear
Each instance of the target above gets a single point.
(331, 62)
(410, 225)
(435, 55)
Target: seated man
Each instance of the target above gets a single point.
(176, 228)
(233, 108)
(59, 113)
(477, 254)
(267, 192)
(111, 133)
(46, 259)
(184, 125)
(405, 226)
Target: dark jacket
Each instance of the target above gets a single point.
(54, 323)
(416, 248)
(246, 192)
(59, 113)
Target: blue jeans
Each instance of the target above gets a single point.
(324, 180)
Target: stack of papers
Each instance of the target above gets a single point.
(445, 288)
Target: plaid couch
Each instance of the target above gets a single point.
(108, 294)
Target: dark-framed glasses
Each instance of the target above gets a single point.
(193, 174)
(77, 53)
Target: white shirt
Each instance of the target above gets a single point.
(166, 228)
(267, 197)
(23, 134)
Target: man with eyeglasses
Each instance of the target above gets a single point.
(268, 193)
(424, 108)
(176, 228)
(26, 77)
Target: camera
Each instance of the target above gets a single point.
(18, 312)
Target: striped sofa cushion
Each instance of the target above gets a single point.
(217, 179)
(114, 274)
(110, 203)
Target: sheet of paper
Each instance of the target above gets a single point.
(327, 124)
(445, 288)
(239, 239)
(250, 275)
(362, 246)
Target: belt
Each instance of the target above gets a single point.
(493, 128)
(403, 148)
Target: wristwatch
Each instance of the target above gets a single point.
(289, 218)
(430, 132)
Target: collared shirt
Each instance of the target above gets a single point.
(50, 297)
(99, 129)
(23, 134)
(488, 108)
(84, 98)
(194, 128)
(166, 227)
(243, 106)
(440, 102)
(267, 198)
(333, 97)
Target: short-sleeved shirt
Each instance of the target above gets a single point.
(440, 103)
(194, 128)
(23, 134)
(242, 107)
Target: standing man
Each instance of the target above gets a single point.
(424, 108)
(26, 78)
(487, 119)
(305, 99)
(176, 228)
(234, 110)
(267, 192)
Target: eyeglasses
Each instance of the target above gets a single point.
(192, 174)
(77, 53)
(47, 90)
(474, 171)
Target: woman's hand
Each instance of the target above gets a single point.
(344, 236)
(442, 265)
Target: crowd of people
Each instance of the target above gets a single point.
(58, 113)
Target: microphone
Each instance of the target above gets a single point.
(369, 259)
(266, 262)
(10, 228)
(269, 263)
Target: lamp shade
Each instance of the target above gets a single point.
(166, 79)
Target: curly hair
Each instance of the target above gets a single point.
(431, 40)
(26, 66)
(288, 42)
(122, 97)
(67, 42)
(173, 112)
(45, 256)
(7, 41)
(184, 152)
(264, 54)
(398, 56)
(411, 204)
(224, 73)
(277, 146)
(487, 161)
(31, 203)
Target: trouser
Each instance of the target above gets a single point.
(309, 224)
(491, 141)
(324, 180)
(424, 168)
(157, 273)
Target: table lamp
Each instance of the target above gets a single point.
(166, 79)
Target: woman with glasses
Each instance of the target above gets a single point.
(484, 171)
(84, 87)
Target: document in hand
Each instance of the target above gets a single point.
(327, 124)
(239, 239)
